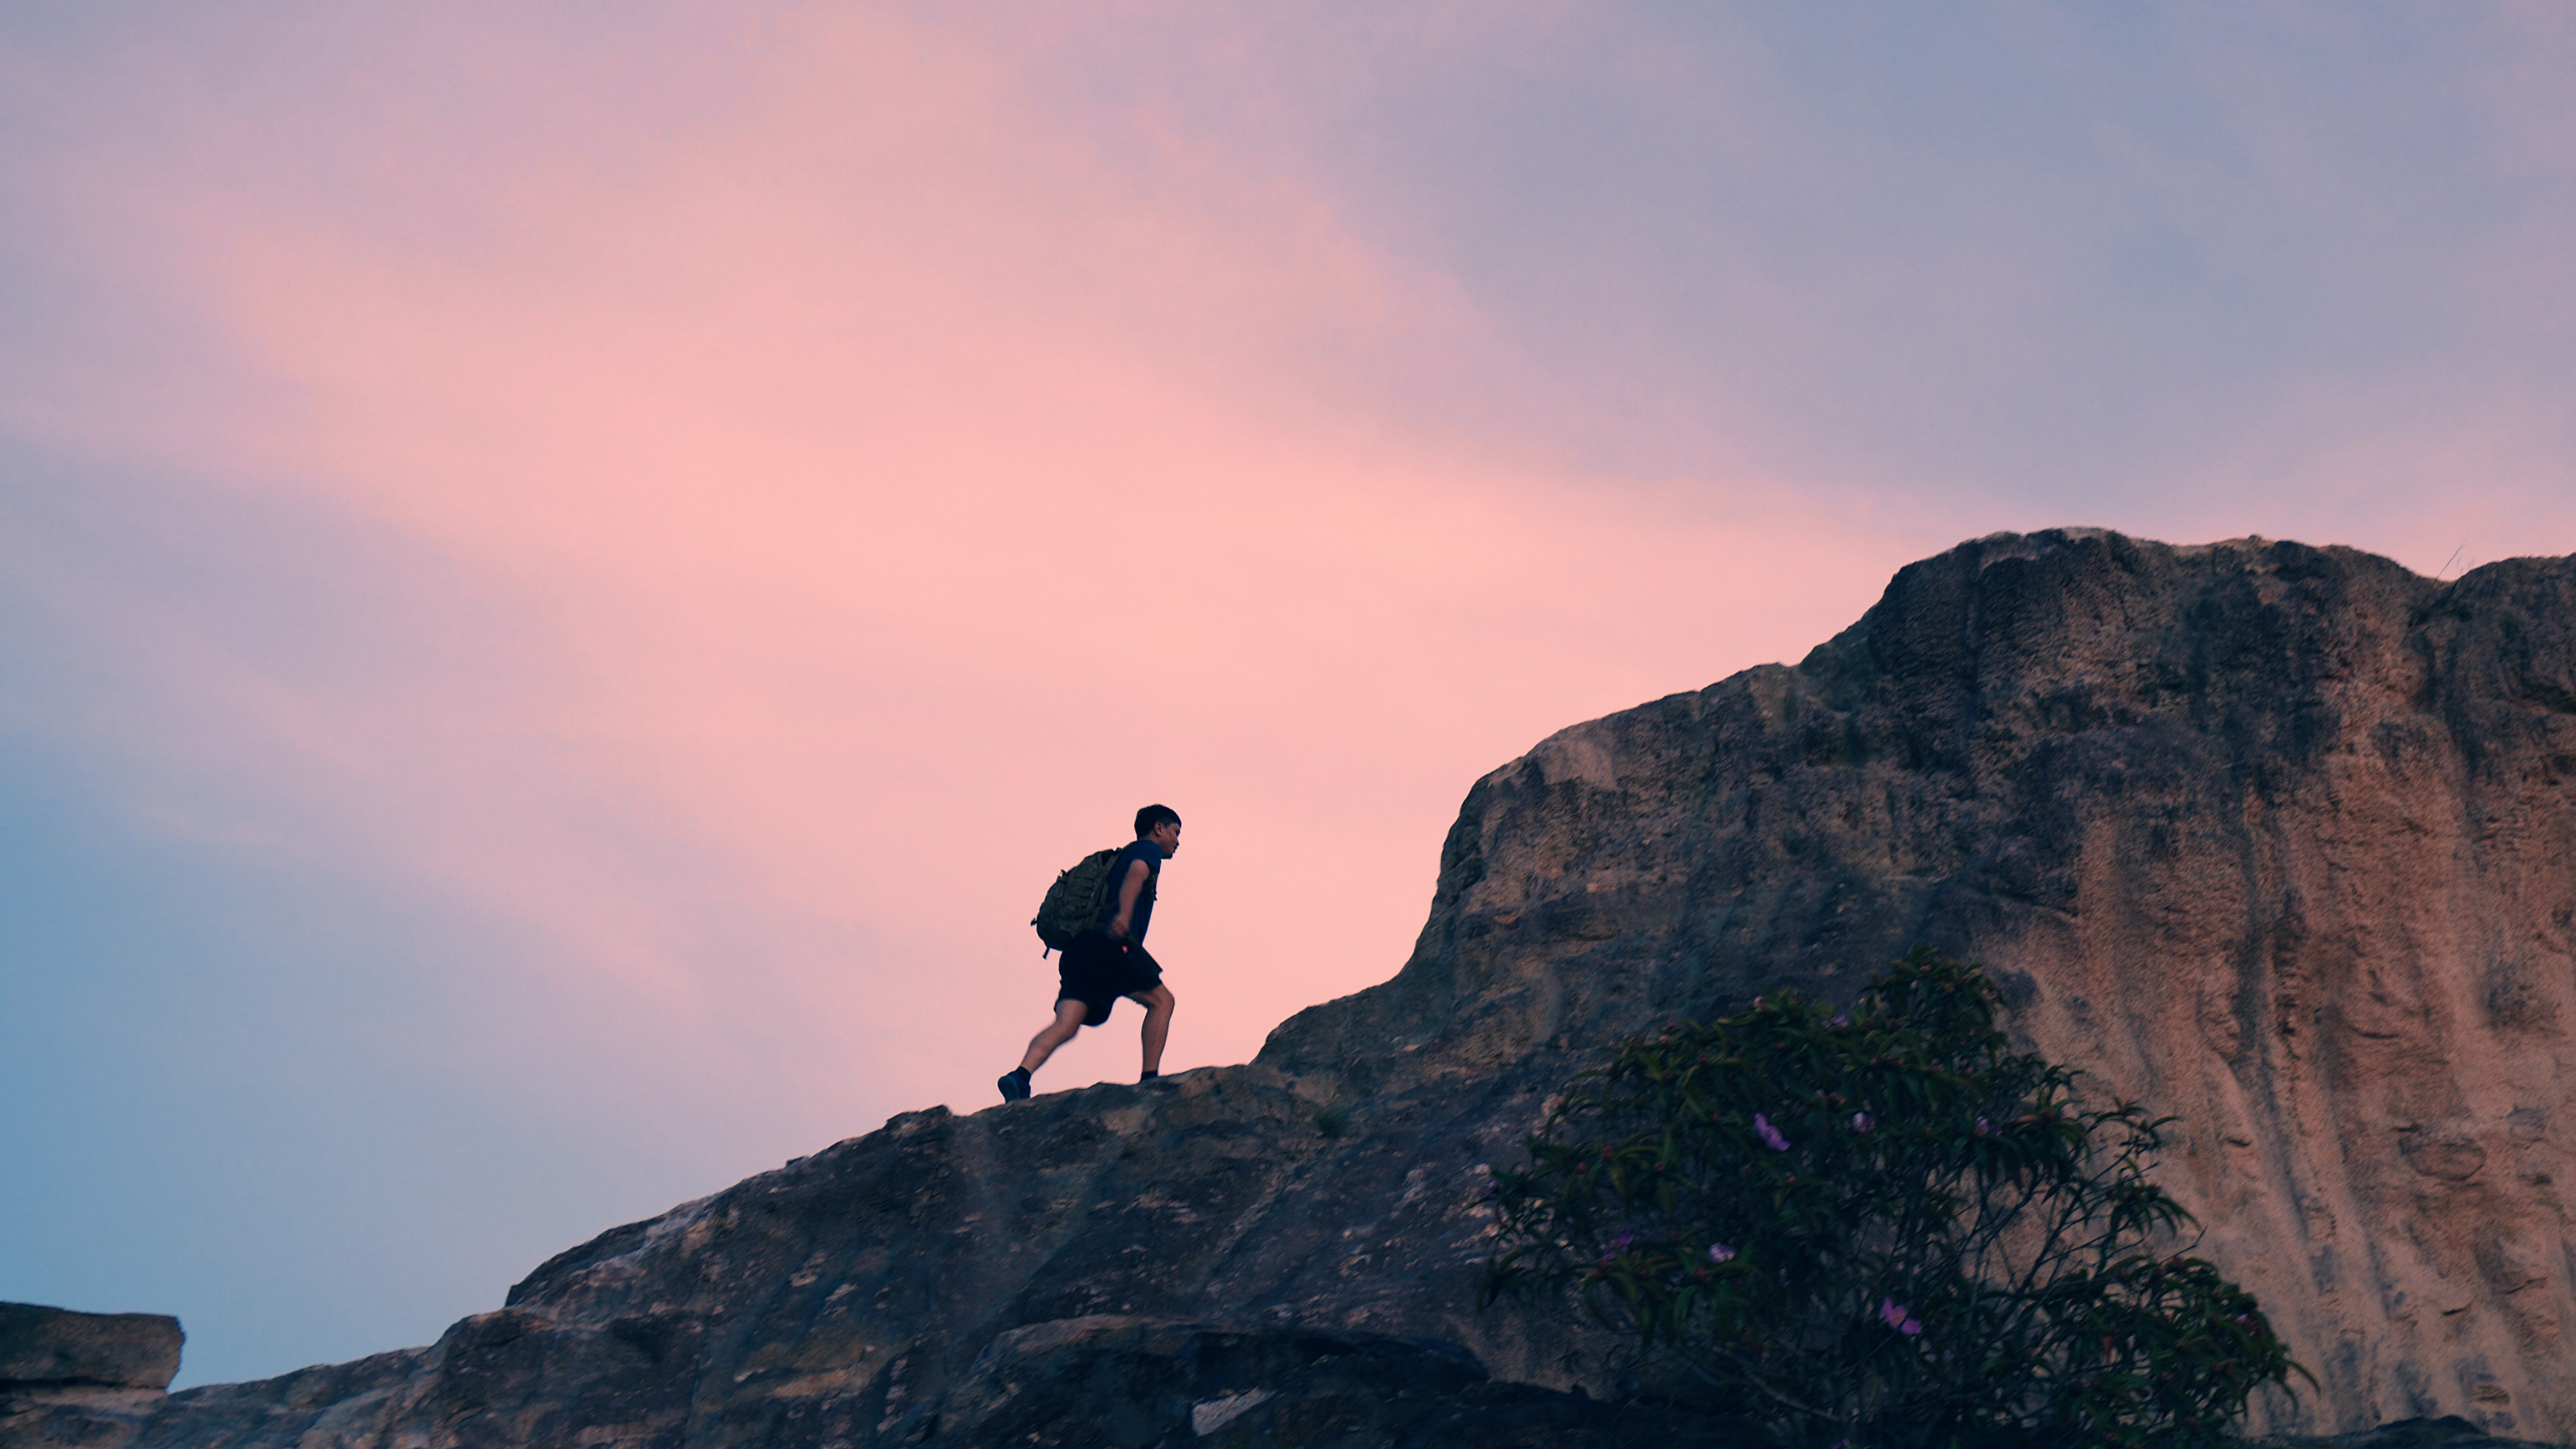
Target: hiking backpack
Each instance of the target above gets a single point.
(1073, 903)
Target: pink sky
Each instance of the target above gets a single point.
(772, 487)
(890, 490)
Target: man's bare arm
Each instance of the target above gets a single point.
(1128, 890)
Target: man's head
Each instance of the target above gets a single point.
(1160, 824)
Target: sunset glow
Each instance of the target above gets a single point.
(570, 580)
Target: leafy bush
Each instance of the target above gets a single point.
(1878, 1226)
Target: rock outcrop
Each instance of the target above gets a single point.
(90, 1380)
(936, 1281)
(2277, 839)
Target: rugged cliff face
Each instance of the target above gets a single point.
(2280, 840)
(2277, 839)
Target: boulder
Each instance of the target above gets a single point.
(82, 1380)
(55, 1347)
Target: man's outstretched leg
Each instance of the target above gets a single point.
(1068, 1020)
(1158, 1026)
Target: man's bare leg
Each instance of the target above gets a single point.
(1068, 1020)
(1158, 1024)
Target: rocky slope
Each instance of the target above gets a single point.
(1106, 1266)
(2273, 837)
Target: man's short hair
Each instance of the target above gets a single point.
(1155, 815)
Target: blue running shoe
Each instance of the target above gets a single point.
(1014, 1085)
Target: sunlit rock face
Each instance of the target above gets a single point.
(2276, 839)
(2279, 840)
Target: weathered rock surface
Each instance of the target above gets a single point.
(59, 1348)
(2277, 839)
(82, 1379)
(869, 1293)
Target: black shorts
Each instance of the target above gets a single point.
(1096, 971)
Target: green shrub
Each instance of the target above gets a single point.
(1878, 1226)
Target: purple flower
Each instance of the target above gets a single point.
(1985, 1128)
(1720, 1253)
(1894, 1315)
(1769, 1134)
(1841, 1020)
(1863, 1122)
(1620, 1243)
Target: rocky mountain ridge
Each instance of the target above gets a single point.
(2275, 838)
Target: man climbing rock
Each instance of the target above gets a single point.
(1109, 961)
